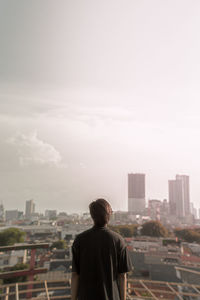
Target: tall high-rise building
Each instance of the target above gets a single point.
(30, 208)
(175, 197)
(136, 193)
(186, 192)
(193, 210)
(179, 196)
(2, 212)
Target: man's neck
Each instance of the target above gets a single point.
(100, 226)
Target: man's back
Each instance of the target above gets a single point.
(99, 255)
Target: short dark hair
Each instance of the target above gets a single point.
(100, 211)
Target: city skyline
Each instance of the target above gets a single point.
(88, 95)
(178, 197)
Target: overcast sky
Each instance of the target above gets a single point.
(92, 90)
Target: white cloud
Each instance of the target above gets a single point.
(32, 150)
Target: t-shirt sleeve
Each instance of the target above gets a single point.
(76, 257)
(124, 261)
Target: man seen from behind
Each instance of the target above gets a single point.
(100, 259)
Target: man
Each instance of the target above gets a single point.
(100, 259)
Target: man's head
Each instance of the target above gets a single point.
(100, 211)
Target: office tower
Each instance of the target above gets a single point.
(2, 213)
(136, 193)
(193, 210)
(175, 197)
(186, 192)
(30, 208)
(179, 197)
(154, 209)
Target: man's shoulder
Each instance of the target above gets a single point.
(81, 237)
(84, 234)
(117, 238)
(116, 235)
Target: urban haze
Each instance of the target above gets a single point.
(91, 91)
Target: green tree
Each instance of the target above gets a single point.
(11, 236)
(188, 235)
(154, 229)
(114, 228)
(60, 244)
(125, 230)
(18, 278)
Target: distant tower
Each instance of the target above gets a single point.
(30, 208)
(136, 193)
(179, 196)
(2, 212)
(154, 209)
(186, 192)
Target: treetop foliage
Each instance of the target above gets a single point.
(10, 236)
(188, 235)
(60, 244)
(125, 230)
(19, 266)
(154, 229)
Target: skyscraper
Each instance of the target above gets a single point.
(136, 193)
(2, 212)
(179, 196)
(186, 192)
(30, 208)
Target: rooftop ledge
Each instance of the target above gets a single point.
(136, 289)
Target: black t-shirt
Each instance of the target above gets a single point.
(99, 255)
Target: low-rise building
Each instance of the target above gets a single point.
(11, 258)
(50, 214)
(13, 215)
(70, 231)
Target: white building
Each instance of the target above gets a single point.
(11, 258)
(70, 231)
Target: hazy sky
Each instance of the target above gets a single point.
(91, 90)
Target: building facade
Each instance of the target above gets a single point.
(136, 193)
(185, 192)
(12, 215)
(2, 213)
(179, 196)
(30, 208)
(50, 213)
(11, 258)
(154, 209)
